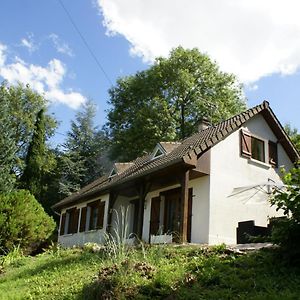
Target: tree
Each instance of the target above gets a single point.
(23, 221)
(80, 161)
(7, 145)
(293, 134)
(36, 158)
(166, 101)
(23, 105)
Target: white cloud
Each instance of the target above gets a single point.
(46, 80)
(29, 43)
(251, 38)
(60, 46)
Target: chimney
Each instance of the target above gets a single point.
(203, 124)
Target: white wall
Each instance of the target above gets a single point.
(200, 209)
(80, 238)
(122, 216)
(228, 171)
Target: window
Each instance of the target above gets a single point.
(69, 221)
(257, 149)
(92, 216)
(158, 151)
(113, 173)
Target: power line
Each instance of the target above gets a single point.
(61, 133)
(84, 41)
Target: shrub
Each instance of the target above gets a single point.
(23, 221)
(286, 230)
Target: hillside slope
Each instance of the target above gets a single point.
(153, 273)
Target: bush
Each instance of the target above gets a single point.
(23, 222)
(286, 230)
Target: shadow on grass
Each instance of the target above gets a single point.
(53, 263)
(260, 275)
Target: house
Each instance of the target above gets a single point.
(184, 191)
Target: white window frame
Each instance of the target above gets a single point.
(157, 148)
(266, 150)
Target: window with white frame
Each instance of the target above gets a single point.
(258, 149)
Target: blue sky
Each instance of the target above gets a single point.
(39, 45)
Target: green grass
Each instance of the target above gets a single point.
(154, 273)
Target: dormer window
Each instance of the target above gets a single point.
(158, 151)
(113, 173)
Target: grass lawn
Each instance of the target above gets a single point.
(164, 272)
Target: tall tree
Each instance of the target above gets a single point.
(80, 162)
(294, 135)
(166, 101)
(35, 160)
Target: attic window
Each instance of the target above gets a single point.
(113, 173)
(158, 152)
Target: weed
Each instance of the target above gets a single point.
(13, 257)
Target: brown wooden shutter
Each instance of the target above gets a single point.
(75, 220)
(245, 144)
(83, 219)
(155, 215)
(190, 214)
(136, 204)
(70, 221)
(100, 219)
(273, 154)
(62, 224)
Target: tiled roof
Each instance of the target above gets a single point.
(193, 145)
(169, 146)
(121, 167)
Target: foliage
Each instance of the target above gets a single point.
(294, 135)
(22, 221)
(23, 105)
(12, 257)
(286, 231)
(80, 161)
(36, 158)
(166, 272)
(116, 241)
(7, 145)
(165, 102)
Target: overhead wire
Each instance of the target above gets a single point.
(84, 41)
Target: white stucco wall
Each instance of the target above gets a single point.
(228, 171)
(80, 238)
(200, 209)
(122, 216)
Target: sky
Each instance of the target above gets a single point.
(259, 41)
